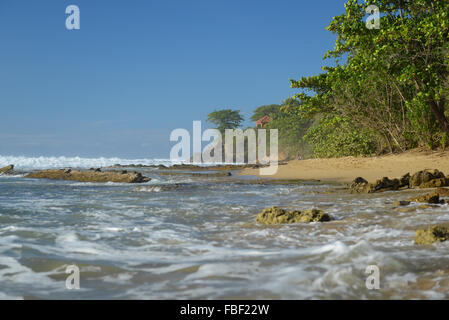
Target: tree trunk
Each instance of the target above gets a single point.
(438, 111)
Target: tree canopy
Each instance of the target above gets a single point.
(380, 90)
(391, 92)
(225, 119)
(265, 110)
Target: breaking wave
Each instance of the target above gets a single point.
(22, 162)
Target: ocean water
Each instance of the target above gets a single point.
(181, 237)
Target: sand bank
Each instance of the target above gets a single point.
(371, 168)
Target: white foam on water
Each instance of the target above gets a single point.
(2, 176)
(4, 296)
(21, 162)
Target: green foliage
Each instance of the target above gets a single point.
(291, 127)
(391, 93)
(225, 119)
(335, 137)
(263, 111)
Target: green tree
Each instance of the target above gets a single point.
(225, 119)
(391, 91)
(266, 110)
(292, 126)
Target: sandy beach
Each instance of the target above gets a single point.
(371, 168)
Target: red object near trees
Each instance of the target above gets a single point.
(263, 121)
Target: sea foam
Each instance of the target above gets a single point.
(21, 162)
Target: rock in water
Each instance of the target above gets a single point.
(276, 215)
(404, 182)
(429, 179)
(7, 170)
(359, 185)
(159, 188)
(401, 203)
(432, 235)
(433, 198)
(385, 184)
(89, 176)
(443, 192)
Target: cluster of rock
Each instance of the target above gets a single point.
(422, 179)
(92, 175)
(435, 233)
(275, 215)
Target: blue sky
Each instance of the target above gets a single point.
(138, 69)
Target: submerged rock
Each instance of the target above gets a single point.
(401, 203)
(89, 176)
(159, 188)
(432, 235)
(276, 215)
(7, 170)
(429, 179)
(432, 198)
(443, 192)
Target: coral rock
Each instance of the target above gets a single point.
(443, 192)
(89, 176)
(7, 170)
(432, 235)
(276, 215)
(428, 179)
(433, 198)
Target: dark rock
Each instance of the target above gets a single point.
(359, 185)
(385, 184)
(432, 198)
(432, 235)
(401, 203)
(428, 179)
(404, 182)
(443, 192)
(435, 183)
(7, 170)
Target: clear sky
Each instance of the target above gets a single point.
(138, 69)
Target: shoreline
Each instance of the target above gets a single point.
(345, 170)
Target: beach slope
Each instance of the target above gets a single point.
(371, 168)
